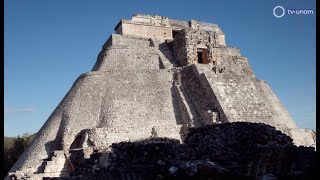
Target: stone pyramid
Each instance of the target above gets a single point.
(156, 77)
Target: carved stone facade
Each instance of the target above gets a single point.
(158, 75)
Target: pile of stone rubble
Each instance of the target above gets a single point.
(246, 150)
(238, 150)
(231, 141)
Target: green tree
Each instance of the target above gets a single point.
(13, 148)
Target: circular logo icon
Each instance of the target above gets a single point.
(278, 7)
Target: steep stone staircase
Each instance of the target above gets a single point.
(239, 96)
(166, 56)
(57, 165)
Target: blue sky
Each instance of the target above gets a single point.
(48, 44)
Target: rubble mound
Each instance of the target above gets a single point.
(231, 141)
(222, 151)
(243, 132)
(144, 153)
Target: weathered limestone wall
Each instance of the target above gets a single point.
(208, 27)
(236, 88)
(141, 30)
(178, 25)
(123, 58)
(204, 104)
(155, 26)
(283, 120)
(151, 26)
(140, 88)
(138, 101)
(188, 41)
(117, 39)
(78, 109)
(279, 112)
(131, 53)
(303, 136)
(127, 94)
(240, 99)
(154, 20)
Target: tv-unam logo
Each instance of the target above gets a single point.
(280, 11)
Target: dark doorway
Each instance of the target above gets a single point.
(202, 56)
(200, 60)
(174, 33)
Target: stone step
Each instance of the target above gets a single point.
(58, 153)
(49, 163)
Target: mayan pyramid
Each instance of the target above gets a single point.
(160, 76)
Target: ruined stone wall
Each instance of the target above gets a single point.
(155, 20)
(188, 41)
(141, 30)
(198, 39)
(209, 27)
(179, 24)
